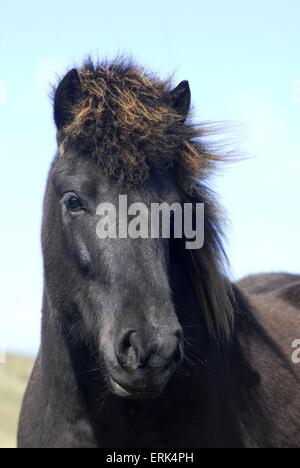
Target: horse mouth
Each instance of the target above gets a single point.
(146, 393)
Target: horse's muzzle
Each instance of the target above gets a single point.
(145, 366)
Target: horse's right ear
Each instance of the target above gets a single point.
(68, 92)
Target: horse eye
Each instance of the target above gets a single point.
(74, 203)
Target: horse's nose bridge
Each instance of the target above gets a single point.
(146, 272)
(146, 304)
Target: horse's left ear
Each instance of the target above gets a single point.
(181, 99)
(68, 92)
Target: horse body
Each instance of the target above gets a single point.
(111, 370)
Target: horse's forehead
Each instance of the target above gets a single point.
(73, 173)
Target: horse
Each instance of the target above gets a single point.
(145, 343)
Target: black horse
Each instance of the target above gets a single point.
(144, 342)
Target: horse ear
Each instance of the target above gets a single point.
(68, 92)
(181, 99)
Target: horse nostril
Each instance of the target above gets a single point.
(178, 354)
(124, 346)
(179, 335)
(134, 351)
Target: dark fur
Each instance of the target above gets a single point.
(123, 131)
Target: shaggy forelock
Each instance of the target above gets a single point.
(125, 121)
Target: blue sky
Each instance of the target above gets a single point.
(242, 61)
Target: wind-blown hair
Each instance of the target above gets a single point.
(125, 119)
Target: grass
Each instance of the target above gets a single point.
(14, 376)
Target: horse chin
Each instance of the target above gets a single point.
(135, 394)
